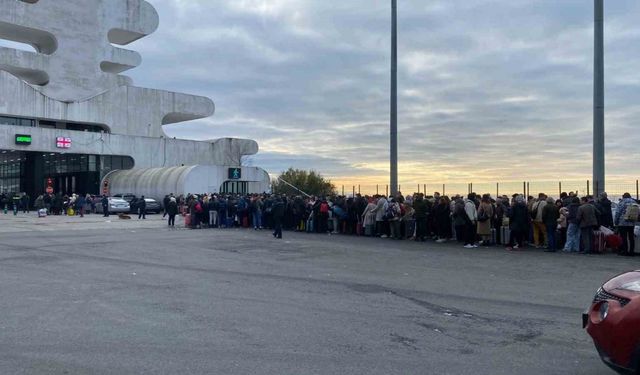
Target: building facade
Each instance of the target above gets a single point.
(69, 118)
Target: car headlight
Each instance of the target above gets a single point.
(633, 286)
(604, 310)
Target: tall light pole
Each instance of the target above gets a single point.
(394, 100)
(598, 100)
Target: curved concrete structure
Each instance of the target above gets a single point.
(157, 182)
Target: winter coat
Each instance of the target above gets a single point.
(587, 216)
(369, 215)
(470, 209)
(621, 211)
(550, 214)
(484, 227)
(172, 208)
(519, 218)
(381, 208)
(538, 207)
(420, 208)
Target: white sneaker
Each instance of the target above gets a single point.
(384, 236)
(468, 246)
(474, 246)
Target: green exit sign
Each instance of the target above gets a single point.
(23, 139)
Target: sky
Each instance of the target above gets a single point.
(489, 90)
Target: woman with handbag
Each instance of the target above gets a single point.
(485, 216)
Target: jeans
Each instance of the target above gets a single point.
(573, 238)
(213, 218)
(257, 219)
(551, 236)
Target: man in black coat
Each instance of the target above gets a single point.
(105, 205)
(142, 208)
(277, 212)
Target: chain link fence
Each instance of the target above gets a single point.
(615, 189)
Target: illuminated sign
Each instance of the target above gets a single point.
(23, 139)
(63, 142)
(235, 173)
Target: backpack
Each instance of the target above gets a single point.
(198, 207)
(392, 211)
(324, 208)
(632, 212)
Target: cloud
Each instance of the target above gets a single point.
(489, 90)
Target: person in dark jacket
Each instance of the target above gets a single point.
(172, 211)
(420, 212)
(277, 211)
(606, 214)
(142, 208)
(518, 222)
(105, 206)
(165, 203)
(550, 216)
(588, 220)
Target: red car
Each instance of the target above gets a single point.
(613, 321)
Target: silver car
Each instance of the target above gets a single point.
(116, 205)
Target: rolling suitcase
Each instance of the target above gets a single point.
(494, 240)
(505, 235)
(599, 242)
(187, 221)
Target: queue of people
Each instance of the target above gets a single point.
(569, 223)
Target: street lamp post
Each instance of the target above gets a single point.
(598, 100)
(394, 100)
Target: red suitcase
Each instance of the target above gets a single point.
(359, 229)
(187, 221)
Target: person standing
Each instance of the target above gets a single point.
(277, 210)
(172, 211)
(105, 205)
(420, 213)
(550, 216)
(81, 201)
(25, 202)
(626, 218)
(485, 219)
(165, 203)
(588, 220)
(518, 222)
(142, 208)
(539, 229)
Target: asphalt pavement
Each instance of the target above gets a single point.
(103, 296)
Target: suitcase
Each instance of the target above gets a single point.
(369, 230)
(494, 239)
(245, 222)
(599, 242)
(505, 235)
(42, 212)
(187, 221)
(409, 228)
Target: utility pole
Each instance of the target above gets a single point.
(598, 100)
(394, 99)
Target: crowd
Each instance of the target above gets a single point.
(569, 223)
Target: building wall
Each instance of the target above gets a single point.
(147, 152)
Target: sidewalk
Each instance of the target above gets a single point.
(31, 222)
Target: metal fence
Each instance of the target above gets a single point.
(615, 189)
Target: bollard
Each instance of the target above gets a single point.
(497, 189)
(359, 189)
(587, 187)
(444, 190)
(559, 188)
(637, 191)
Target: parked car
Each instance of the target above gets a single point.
(116, 205)
(613, 321)
(127, 196)
(152, 205)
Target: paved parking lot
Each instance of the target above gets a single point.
(96, 296)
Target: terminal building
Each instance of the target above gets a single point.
(70, 122)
